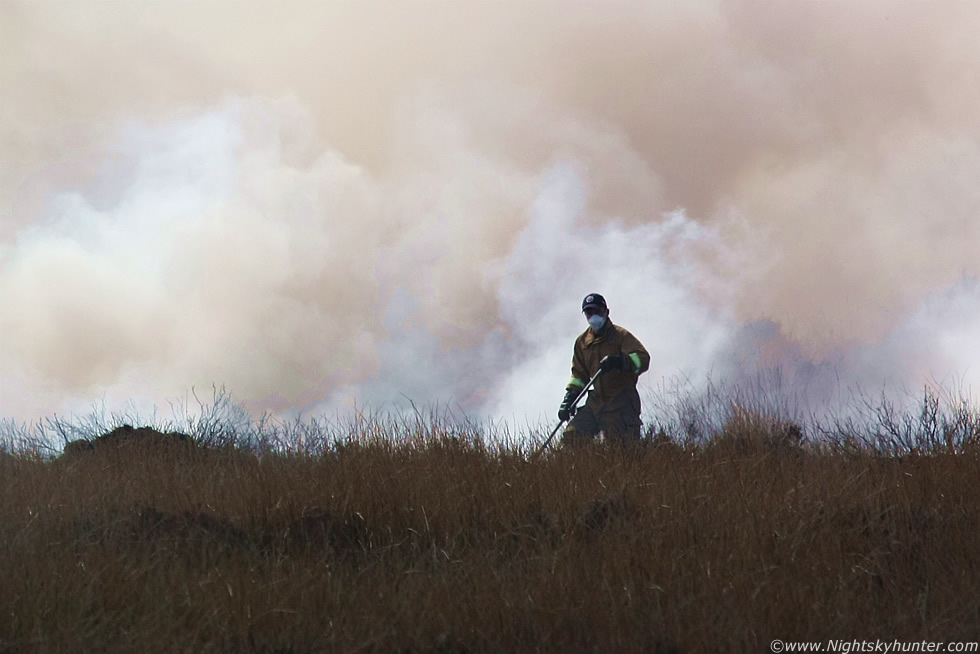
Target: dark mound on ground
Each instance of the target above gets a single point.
(129, 437)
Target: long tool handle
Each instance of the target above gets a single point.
(574, 405)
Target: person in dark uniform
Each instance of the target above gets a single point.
(613, 404)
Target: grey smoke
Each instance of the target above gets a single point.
(322, 205)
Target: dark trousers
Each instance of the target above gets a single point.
(618, 421)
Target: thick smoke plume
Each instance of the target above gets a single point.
(355, 203)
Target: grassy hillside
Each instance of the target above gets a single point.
(430, 540)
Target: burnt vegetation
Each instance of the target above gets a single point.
(427, 534)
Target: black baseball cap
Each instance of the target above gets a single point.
(595, 301)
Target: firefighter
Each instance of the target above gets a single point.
(613, 404)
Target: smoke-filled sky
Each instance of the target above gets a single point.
(317, 204)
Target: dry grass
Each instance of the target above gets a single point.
(429, 540)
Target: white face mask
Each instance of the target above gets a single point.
(596, 321)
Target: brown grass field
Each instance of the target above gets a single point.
(428, 541)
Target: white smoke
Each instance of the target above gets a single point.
(319, 207)
(646, 273)
(216, 256)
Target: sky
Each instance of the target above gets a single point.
(325, 206)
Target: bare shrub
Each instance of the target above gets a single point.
(940, 421)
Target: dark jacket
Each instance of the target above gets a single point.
(614, 386)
